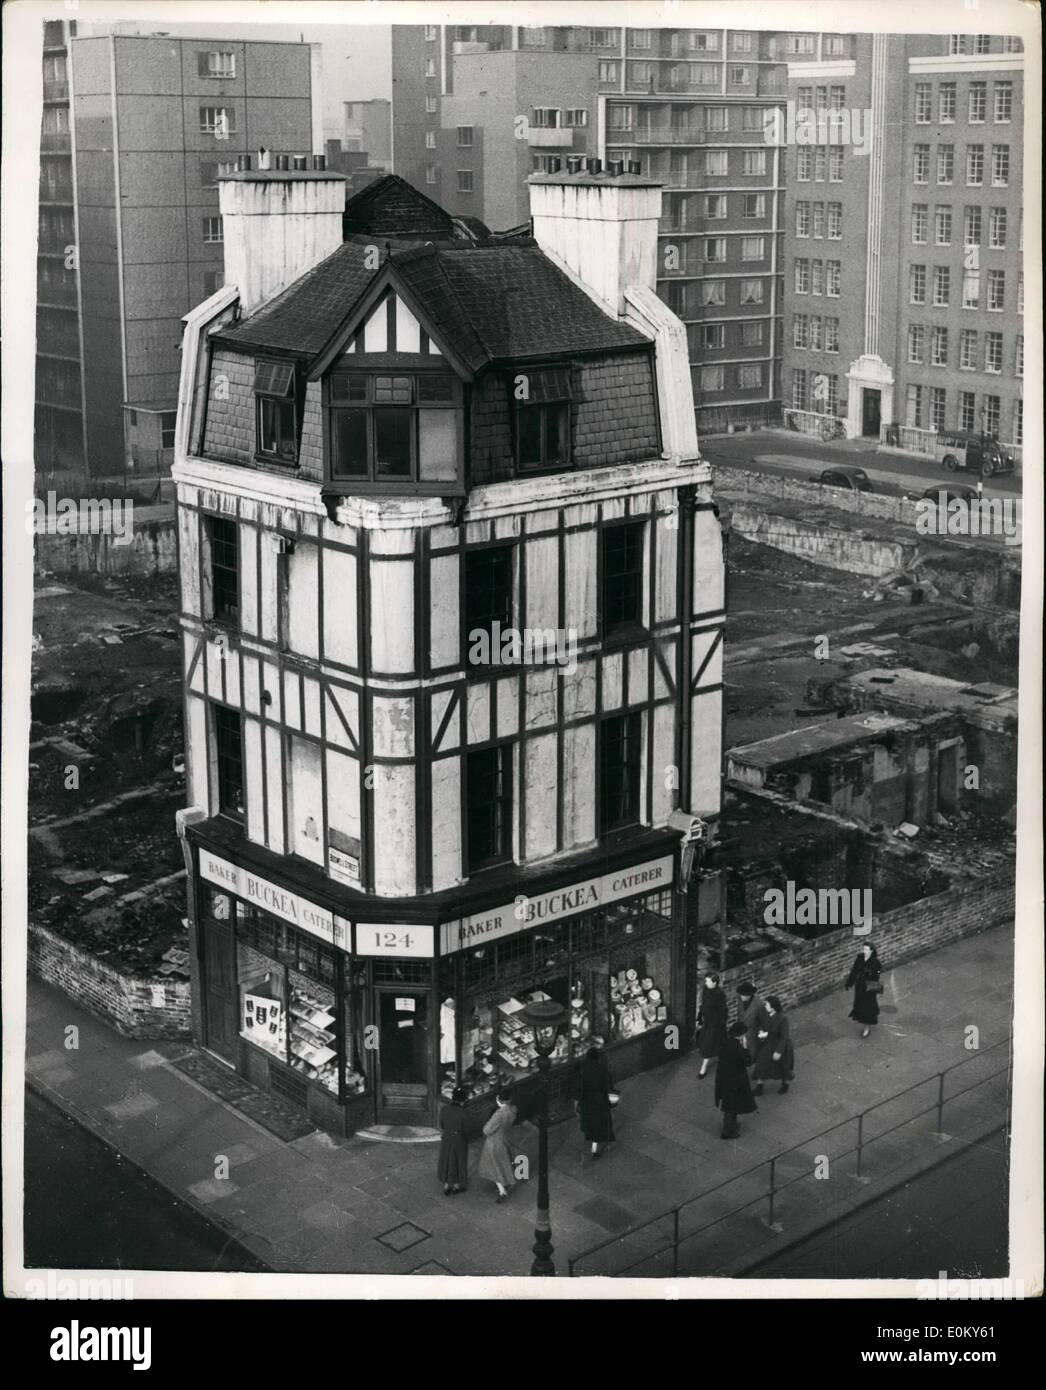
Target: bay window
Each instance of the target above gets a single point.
(389, 428)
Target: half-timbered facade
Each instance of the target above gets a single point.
(452, 611)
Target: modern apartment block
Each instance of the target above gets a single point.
(400, 829)
(919, 196)
(368, 127)
(136, 130)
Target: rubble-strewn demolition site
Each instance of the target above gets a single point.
(871, 747)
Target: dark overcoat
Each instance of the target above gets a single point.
(496, 1158)
(733, 1091)
(866, 1001)
(751, 1015)
(778, 1040)
(711, 1021)
(594, 1109)
(453, 1166)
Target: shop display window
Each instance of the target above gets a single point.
(263, 993)
(639, 988)
(313, 1030)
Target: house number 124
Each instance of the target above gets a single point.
(392, 941)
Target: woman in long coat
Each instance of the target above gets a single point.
(733, 1092)
(863, 979)
(495, 1162)
(453, 1167)
(775, 1056)
(711, 1022)
(594, 1087)
(749, 1012)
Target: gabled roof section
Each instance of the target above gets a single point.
(391, 206)
(499, 302)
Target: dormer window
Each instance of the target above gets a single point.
(542, 401)
(277, 412)
(395, 427)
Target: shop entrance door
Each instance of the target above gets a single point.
(404, 1057)
(871, 412)
(220, 1004)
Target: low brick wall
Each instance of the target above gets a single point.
(129, 1003)
(810, 969)
(152, 549)
(874, 504)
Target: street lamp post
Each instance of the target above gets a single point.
(545, 1017)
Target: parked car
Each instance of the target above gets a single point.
(973, 451)
(951, 492)
(856, 479)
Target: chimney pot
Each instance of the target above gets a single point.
(615, 168)
(634, 166)
(595, 166)
(301, 162)
(283, 162)
(243, 163)
(264, 158)
(574, 163)
(554, 164)
(319, 161)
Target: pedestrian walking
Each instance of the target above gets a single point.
(775, 1056)
(453, 1166)
(594, 1105)
(863, 979)
(496, 1160)
(712, 1017)
(733, 1091)
(749, 1012)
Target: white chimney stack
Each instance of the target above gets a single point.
(276, 225)
(603, 227)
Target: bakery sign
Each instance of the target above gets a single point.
(271, 898)
(531, 911)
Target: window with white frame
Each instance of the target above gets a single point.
(754, 162)
(1018, 422)
(971, 289)
(831, 335)
(799, 43)
(916, 339)
(800, 331)
(1000, 166)
(802, 275)
(712, 378)
(715, 249)
(212, 230)
(430, 139)
(430, 173)
(982, 43)
(992, 414)
(921, 164)
(465, 137)
(835, 164)
(713, 336)
(835, 45)
(752, 333)
(942, 278)
(604, 38)
(993, 352)
(1020, 291)
(1018, 367)
(749, 375)
(939, 348)
(804, 164)
(1012, 44)
(219, 121)
(974, 166)
(607, 72)
(545, 117)
(836, 97)
(741, 41)
(717, 118)
(217, 64)
(956, 44)
(832, 277)
(820, 163)
(968, 350)
(430, 67)
(431, 104)
(977, 108)
(740, 76)
(802, 219)
(817, 277)
(622, 117)
(703, 42)
(752, 118)
(821, 98)
(946, 102)
(938, 407)
(465, 184)
(920, 223)
(753, 248)
(576, 117)
(818, 224)
(751, 292)
(913, 411)
(715, 163)
(804, 98)
(942, 225)
(829, 393)
(713, 293)
(835, 221)
(967, 412)
(715, 206)
(945, 163)
(923, 103)
(798, 388)
(997, 229)
(971, 227)
(917, 284)
(996, 290)
(639, 38)
(753, 205)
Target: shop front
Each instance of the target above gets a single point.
(361, 1021)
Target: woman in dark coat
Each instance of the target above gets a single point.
(775, 1056)
(863, 979)
(711, 1022)
(750, 1013)
(453, 1167)
(496, 1159)
(594, 1088)
(733, 1093)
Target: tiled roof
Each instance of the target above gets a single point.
(497, 302)
(391, 205)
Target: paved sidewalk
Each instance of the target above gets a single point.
(318, 1203)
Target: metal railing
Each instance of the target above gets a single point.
(816, 423)
(912, 438)
(668, 1233)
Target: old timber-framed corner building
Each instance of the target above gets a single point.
(397, 430)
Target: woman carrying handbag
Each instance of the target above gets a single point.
(863, 979)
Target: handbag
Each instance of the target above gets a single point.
(613, 1097)
(873, 987)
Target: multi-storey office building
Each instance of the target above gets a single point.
(153, 119)
(923, 331)
(398, 834)
(59, 413)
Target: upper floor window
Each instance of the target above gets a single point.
(465, 181)
(212, 230)
(431, 33)
(465, 137)
(168, 426)
(277, 412)
(229, 749)
(386, 428)
(576, 117)
(488, 802)
(222, 538)
(488, 594)
(620, 750)
(217, 64)
(621, 577)
(1004, 101)
(542, 417)
(219, 121)
(799, 43)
